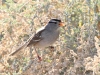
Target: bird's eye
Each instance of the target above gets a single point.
(53, 22)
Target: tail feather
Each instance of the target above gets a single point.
(23, 46)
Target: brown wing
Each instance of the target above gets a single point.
(37, 37)
(31, 41)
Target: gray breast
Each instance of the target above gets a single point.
(48, 38)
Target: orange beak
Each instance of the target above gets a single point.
(61, 24)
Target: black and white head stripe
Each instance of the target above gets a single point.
(54, 21)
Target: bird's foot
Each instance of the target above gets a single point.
(40, 59)
(51, 48)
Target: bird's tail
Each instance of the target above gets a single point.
(21, 47)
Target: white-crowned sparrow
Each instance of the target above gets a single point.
(44, 37)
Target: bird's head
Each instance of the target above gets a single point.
(54, 24)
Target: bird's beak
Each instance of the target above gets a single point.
(61, 24)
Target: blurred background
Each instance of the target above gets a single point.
(76, 52)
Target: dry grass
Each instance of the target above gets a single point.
(76, 52)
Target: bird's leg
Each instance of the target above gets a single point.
(38, 55)
(51, 48)
(31, 55)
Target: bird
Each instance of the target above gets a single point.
(44, 37)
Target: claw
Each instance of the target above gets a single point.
(40, 59)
